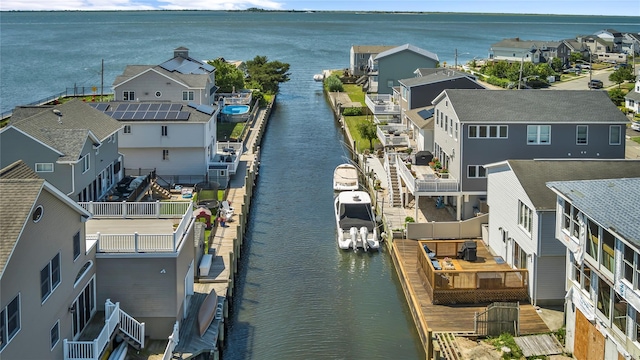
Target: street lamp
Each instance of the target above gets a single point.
(456, 58)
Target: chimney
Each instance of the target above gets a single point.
(517, 39)
(181, 52)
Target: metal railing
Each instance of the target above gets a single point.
(434, 185)
(75, 91)
(381, 104)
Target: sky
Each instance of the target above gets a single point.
(571, 7)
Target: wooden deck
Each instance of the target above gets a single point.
(459, 317)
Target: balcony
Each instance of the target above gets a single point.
(424, 181)
(393, 135)
(115, 320)
(160, 227)
(227, 157)
(451, 280)
(382, 104)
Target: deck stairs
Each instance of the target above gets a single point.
(448, 345)
(159, 190)
(116, 322)
(394, 186)
(361, 79)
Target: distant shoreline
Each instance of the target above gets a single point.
(322, 11)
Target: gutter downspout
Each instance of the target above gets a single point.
(73, 182)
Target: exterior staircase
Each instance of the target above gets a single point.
(394, 186)
(116, 321)
(361, 79)
(159, 190)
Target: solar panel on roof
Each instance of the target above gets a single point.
(139, 115)
(426, 113)
(165, 107)
(183, 115)
(172, 115)
(154, 107)
(161, 115)
(122, 107)
(176, 107)
(205, 109)
(143, 107)
(128, 115)
(133, 107)
(170, 65)
(193, 105)
(102, 106)
(149, 115)
(118, 115)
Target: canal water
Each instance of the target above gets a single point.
(298, 296)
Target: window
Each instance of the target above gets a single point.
(581, 134)
(9, 321)
(604, 297)
(44, 167)
(525, 216)
(620, 312)
(488, 131)
(37, 214)
(83, 308)
(76, 245)
(127, 129)
(187, 95)
(390, 83)
(519, 257)
(608, 255)
(128, 96)
(165, 154)
(158, 94)
(593, 239)
(164, 130)
(49, 278)
(476, 171)
(446, 123)
(631, 267)
(86, 163)
(538, 134)
(456, 132)
(615, 133)
(55, 334)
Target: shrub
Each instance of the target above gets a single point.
(353, 111)
(334, 84)
(409, 219)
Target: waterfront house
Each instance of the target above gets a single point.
(522, 220)
(71, 145)
(632, 99)
(147, 247)
(473, 128)
(534, 51)
(386, 68)
(359, 56)
(597, 223)
(613, 37)
(48, 274)
(175, 140)
(179, 79)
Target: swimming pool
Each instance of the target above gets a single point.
(235, 109)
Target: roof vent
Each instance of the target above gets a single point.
(58, 114)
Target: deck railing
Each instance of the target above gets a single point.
(115, 318)
(174, 338)
(157, 209)
(381, 104)
(432, 185)
(469, 286)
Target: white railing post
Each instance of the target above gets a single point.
(135, 241)
(91, 207)
(95, 350)
(65, 349)
(157, 208)
(124, 209)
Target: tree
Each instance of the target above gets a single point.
(334, 84)
(617, 96)
(367, 129)
(621, 75)
(267, 74)
(575, 56)
(556, 64)
(228, 77)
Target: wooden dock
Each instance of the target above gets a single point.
(457, 318)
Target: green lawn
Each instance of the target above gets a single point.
(352, 124)
(355, 93)
(636, 139)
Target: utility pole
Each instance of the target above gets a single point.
(456, 60)
(102, 81)
(521, 66)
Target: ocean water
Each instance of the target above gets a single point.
(42, 53)
(298, 296)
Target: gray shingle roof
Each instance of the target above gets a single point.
(526, 44)
(416, 117)
(541, 106)
(409, 47)
(371, 49)
(19, 189)
(196, 81)
(534, 174)
(434, 76)
(611, 203)
(635, 96)
(68, 132)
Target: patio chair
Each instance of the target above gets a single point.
(226, 210)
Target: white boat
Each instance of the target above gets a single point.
(345, 178)
(355, 221)
(318, 77)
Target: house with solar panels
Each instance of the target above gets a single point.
(179, 79)
(72, 145)
(176, 141)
